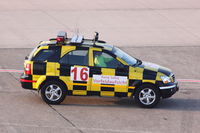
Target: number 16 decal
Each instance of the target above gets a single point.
(79, 73)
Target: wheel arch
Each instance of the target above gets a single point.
(140, 83)
(52, 79)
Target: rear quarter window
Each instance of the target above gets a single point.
(43, 55)
(30, 56)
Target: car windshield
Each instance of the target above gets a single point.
(124, 56)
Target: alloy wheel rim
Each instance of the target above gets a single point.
(147, 96)
(53, 92)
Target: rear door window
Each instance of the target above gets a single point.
(76, 57)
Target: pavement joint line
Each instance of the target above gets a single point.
(73, 125)
(88, 129)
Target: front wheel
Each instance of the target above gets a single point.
(53, 92)
(147, 96)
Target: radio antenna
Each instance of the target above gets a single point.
(96, 38)
(77, 29)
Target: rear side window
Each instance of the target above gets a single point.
(43, 55)
(76, 57)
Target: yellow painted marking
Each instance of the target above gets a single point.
(149, 81)
(96, 49)
(40, 48)
(91, 57)
(91, 60)
(67, 81)
(158, 76)
(136, 73)
(66, 49)
(78, 84)
(81, 84)
(79, 92)
(107, 93)
(35, 78)
(50, 69)
(122, 61)
(129, 94)
(57, 65)
(108, 71)
(131, 87)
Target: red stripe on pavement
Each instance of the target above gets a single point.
(11, 70)
(189, 80)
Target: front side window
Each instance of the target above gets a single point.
(76, 57)
(102, 59)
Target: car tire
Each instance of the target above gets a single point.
(147, 96)
(53, 92)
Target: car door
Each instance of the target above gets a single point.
(74, 71)
(109, 75)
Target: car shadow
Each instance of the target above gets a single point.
(99, 102)
(165, 104)
(180, 104)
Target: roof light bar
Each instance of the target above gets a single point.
(61, 37)
(62, 34)
(77, 39)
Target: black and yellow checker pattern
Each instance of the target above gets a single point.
(51, 69)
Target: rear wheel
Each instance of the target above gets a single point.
(53, 92)
(147, 96)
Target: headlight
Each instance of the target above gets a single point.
(165, 79)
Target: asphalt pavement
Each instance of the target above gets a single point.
(24, 111)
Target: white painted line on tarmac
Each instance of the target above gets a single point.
(179, 80)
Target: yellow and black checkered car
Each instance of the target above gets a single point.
(89, 67)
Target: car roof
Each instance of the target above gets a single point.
(84, 43)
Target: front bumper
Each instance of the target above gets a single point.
(169, 89)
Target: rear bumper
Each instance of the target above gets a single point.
(169, 90)
(27, 82)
